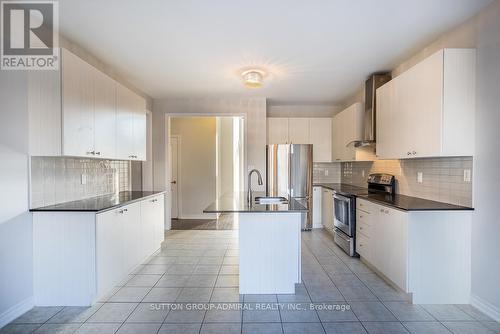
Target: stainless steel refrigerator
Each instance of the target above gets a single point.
(290, 174)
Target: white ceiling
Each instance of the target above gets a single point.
(317, 50)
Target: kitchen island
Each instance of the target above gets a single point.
(269, 241)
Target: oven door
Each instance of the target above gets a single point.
(342, 213)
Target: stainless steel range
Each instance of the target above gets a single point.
(344, 209)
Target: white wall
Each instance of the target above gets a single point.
(225, 156)
(197, 164)
(252, 109)
(16, 240)
(486, 224)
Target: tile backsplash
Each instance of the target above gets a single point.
(442, 178)
(56, 180)
(327, 172)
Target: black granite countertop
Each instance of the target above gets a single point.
(100, 203)
(402, 202)
(237, 203)
(345, 189)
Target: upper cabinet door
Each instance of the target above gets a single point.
(277, 130)
(385, 129)
(77, 106)
(320, 135)
(105, 115)
(420, 102)
(125, 123)
(431, 107)
(298, 130)
(139, 128)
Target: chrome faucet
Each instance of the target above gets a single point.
(249, 194)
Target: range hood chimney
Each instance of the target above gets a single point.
(374, 81)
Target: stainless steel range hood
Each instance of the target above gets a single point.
(371, 85)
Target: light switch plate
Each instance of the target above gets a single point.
(420, 177)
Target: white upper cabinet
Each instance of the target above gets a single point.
(320, 135)
(131, 124)
(428, 111)
(84, 113)
(104, 115)
(77, 106)
(316, 131)
(277, 130)
(298, 130)
(347, 127)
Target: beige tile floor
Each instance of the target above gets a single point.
(191, 286)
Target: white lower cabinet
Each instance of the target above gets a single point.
(327, 209)
(109, 253)
(80, 257)
(317, 207)
(152, 218)
(424, 253)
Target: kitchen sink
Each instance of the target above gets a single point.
(271, 200)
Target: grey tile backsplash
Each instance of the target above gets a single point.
(327, 172)
(443, 178)
(56, 179)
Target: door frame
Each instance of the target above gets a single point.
(179, 168)
(166, 133)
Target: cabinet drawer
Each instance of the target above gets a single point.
(364, 205)
(362, 245)
(364, 229)
(363, 217)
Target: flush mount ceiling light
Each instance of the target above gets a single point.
(253, 78)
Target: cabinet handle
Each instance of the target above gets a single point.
(91, 153)
(408, 153)
(360, 228)
(387, 211)
(414, 152)
(98, 153)
(382, 210)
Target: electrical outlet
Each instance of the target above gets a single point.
(326, 172)
(420, 177)
(467, 175)
(363, 173)
(83, 178)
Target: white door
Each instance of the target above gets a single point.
(320, 135)
(174, 183)
(130, 218)
(77, 106)
(317, 199)
(298, 130)
(105, 115)
(277, 130)
(109, 254)
(124, 123)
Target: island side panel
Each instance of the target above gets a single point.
(269, 252)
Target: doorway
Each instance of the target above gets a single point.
(207, 161)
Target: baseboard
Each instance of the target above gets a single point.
(16, 310)
(485, 307)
